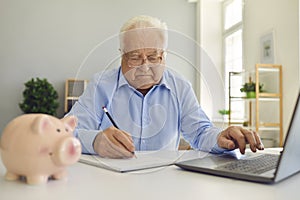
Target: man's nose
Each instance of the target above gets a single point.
(144, 66)
(145, 60)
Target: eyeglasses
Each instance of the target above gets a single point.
(138, 59)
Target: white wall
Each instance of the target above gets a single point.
(261, 16)
(210, 39)
(282, 17)
(50, 39)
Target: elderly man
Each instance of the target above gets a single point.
(152, 105)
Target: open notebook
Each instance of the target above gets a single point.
(143, 160)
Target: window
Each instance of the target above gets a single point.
(233, 51)
(232, 13)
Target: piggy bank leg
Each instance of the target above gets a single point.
(33, 180)
(60, 175)
(11, 176)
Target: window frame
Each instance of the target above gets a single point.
(225, 34)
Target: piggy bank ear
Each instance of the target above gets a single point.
(71, 121)
(41, 123)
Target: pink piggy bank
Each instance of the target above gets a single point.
(38, 147)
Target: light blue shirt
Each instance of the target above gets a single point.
(155, 120)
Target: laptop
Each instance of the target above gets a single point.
(251, 166)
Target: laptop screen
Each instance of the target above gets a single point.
(290, 159)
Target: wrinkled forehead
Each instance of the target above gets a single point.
(148, 51)
(143, 38)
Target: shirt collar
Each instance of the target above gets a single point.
(122, 80)
(164, 81)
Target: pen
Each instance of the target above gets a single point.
(113, 121)
(110, 118)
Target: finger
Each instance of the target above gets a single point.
(241, 142)
(128, 136)
(109, 152)
(101, 145)
(125, 141)
(107, 146)
(238, 137)
(226, 143)
(119, 141)
(250, 139)
(122, 137)
(118, 137)
(113, 150)
(259, 143)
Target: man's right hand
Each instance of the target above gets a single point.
(114, 143)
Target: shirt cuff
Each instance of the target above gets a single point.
(87, 137)
(216, 148)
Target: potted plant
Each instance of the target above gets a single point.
(224, 112)
(39, 96)
(250, 89)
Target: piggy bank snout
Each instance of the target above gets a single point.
(67, 152)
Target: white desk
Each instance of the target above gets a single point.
(87, 182)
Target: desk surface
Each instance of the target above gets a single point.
(89, 182)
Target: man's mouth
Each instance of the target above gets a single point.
(143, 75)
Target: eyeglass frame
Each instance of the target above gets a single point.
(145, 58)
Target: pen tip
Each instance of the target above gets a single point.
(133, 154)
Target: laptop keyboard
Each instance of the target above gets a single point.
(257, 165)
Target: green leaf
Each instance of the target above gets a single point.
(250, 87)
(39, 96)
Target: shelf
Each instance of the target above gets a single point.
(268, 68)
(72, 98)
(268, 99)
(269, 95)
(269, 124)
(258, 108)
(254, 99)
(73, 89)
(269, 128)
(242, 99)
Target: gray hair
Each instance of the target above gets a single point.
(142, 28)
(143, 21)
